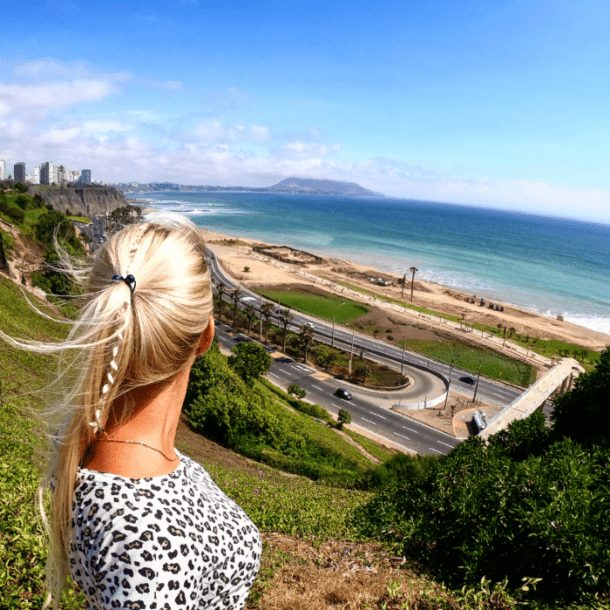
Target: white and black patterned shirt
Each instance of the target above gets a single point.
(169, 542)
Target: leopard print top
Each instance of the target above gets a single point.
(170, 542)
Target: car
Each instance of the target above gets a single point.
(269, 349)
(309, 325)
(241, 339)
(343, 393)
(468, 380)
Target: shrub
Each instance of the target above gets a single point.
(522, 506)
(16, 214)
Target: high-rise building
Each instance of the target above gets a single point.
(85, 176)
(36, 175)
(47, 173)
(75, 175)
(19, 172)
(62, 176)
(2, 169)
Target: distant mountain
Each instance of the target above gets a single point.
(325, 187)
(307, 186)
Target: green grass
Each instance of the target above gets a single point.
(400, 303)
(371, 446)
(80, 219)
(23, 371)
(549, 348)
(317, 305)
(338, 453)
(493, 365)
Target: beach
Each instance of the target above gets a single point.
(327, 274)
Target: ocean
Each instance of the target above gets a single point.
(553, 266)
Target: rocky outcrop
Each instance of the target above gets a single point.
(82, 200)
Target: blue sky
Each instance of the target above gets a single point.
(501, 103)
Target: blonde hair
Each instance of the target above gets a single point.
(120, 341)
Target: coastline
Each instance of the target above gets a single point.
(425, 294)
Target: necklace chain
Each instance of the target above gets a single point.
(114, 440)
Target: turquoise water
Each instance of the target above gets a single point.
(547, 265)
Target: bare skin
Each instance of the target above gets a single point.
(154, 422)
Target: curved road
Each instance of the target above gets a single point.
(364, 411)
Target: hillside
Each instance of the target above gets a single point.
(529, 509)
(322, 187)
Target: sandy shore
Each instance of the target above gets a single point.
(325, 273)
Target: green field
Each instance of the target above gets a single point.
(492, 364)
(323, 307)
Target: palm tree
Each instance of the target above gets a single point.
(266, 313)
(221, 288)
(249, 311)
(235, 296)
(413, 270)
(285, 317)
(305, 339)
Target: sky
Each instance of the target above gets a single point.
(501, 104)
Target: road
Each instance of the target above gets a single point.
(396, 428)
(490, 392)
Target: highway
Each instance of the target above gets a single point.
(365, 413)
(409, 434)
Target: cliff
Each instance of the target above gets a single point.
(82, 200)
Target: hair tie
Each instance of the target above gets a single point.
(129, 280)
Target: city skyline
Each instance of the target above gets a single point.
(492, 105)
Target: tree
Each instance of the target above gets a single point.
(249, 311)
(23, 200)
(344, 418)
(235, 296)
(53, 223)
(305, 340)
(221, 289)
(413, 270)
(16, 214)
(266, 313)
(250, 361)
(20, 187)
(285, 317)
(583, 413)
(296, 391)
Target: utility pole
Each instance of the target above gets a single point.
(351, 357)
(449, 387)
(402, 364)
(260, 318)
(404, 281)
(476, 387)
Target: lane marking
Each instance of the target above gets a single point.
(436, 450)
(410, 429)
(446, 444)
(370, 422)
(277, 376)
(402, 436)
(377, 415)
(336, 406)
(317, 387)
(304, 368)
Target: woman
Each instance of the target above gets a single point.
(133, 521)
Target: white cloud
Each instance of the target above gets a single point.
(102, 126)
(60, 136)
(42, 98)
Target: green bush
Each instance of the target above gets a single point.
(522, 506)
(250, 420)
(16, 214)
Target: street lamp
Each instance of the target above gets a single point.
(413, 270)
(332, 337)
